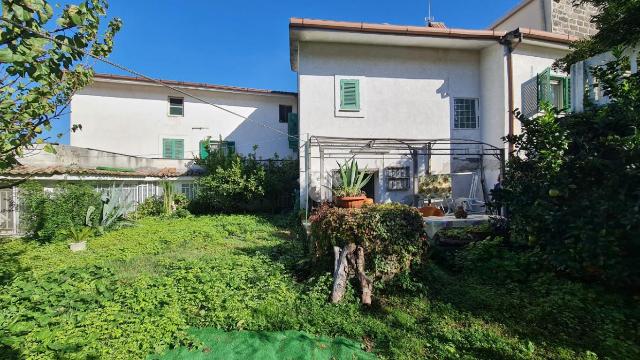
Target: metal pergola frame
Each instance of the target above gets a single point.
(341, 147)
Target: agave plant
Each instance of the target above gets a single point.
(116, 203)
(352, 179)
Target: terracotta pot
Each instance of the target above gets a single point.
(351, 202)
(430, 211)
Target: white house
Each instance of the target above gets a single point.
(134, 116)
(380, 81)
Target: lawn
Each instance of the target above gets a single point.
(237, 285)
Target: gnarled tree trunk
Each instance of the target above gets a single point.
(350, 260)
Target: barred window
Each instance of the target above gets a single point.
(465, 113)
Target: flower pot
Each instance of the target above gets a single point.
(79, 246)
(351, 202)
(430, 211)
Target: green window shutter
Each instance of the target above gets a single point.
(566, 96)
(179, 149)
(167, 148)
(173, 148)
(204, 149)
(294, 129)
(350, 94)
(544, 87)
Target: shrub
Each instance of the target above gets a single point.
(573, 193)
(151, 206)
(44, 215)
(236, 183)
(391, 234)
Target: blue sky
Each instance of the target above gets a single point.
(246, 42)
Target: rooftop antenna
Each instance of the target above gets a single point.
(429, 19)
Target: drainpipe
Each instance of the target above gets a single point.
(511, 41)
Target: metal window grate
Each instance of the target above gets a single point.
(465, 114)
(397, 178)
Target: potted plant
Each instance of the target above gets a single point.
(349, 192)
(79, 236)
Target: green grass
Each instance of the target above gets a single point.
(208, 286)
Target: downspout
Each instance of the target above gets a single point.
(510, 43)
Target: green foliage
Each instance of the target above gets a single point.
(352, 180)
(572, 193)
(137, 290)
(151, 206)
(391, 234)
(80, 234)
(237, 183)
(498, 281)
(39, 76)
(44, 214)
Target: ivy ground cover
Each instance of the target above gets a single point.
(211, 286)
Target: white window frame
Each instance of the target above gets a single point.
(363, 97)
(169, 106)
(453, 113)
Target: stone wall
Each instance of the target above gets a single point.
(566, 19)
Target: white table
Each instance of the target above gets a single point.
(433, 224)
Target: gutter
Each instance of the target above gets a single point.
(511, 41)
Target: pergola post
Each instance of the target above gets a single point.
(416, 184)
(321, 173)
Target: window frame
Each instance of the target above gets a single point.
(362, 97)
(476, 102)
(172, 106)
(285, 119)
(389, 177)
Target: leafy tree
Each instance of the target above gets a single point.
(618, 25)
(41, 65)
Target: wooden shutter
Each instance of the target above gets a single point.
(566, 93)
(545, 93)
(350, 94)
(167, 148)
(294, 130)
(173, 148)
(178, 149)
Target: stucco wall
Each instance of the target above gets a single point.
(532, 15)
(133, 119)
(406, 93)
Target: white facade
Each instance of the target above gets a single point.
(408, 86)
(132, 117)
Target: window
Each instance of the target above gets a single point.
(208, 146)
(173, 148)
(285, 110)
(176, 106)
(349, 95)
(397, 178)
(465, 113)
(189, 190)
(545, 87)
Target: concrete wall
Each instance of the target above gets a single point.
(405, 93)
(133, 119)
(72, 156)
(570, 20)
